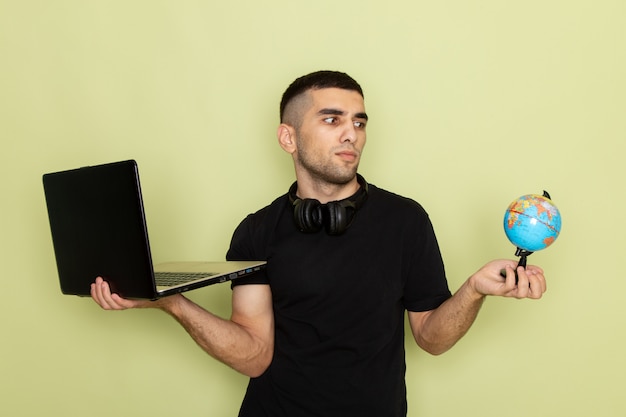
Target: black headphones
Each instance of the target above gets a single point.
(336, 216)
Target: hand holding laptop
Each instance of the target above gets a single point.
(101, 294)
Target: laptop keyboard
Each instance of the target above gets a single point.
(168, 279)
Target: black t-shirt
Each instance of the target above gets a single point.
(339, 304)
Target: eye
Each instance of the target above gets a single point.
(359, 125)
(330, 120)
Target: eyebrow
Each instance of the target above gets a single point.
(336, 112)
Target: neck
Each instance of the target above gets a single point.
(325, 191)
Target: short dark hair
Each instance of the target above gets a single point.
(315, 81)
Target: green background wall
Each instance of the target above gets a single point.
(472, 103)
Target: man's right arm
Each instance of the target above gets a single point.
(244, 342)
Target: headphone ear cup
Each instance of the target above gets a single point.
(308, 215)
(337, 218)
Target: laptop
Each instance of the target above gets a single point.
(98, 228)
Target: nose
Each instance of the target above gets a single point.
(349, 133)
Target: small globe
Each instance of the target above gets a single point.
(532, 222)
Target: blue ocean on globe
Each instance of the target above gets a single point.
(532, 222)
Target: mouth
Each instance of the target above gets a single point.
(348, 156)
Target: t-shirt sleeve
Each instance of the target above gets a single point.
(245, 246)
(426, 286)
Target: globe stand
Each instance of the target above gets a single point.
(523, 254)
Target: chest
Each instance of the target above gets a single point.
(361, 266)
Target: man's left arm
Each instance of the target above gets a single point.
(436, 331)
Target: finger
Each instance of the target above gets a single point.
(510, 280)
(535, 269)
(113, 300)
(92, 290)
(96, 293)
(105, 296)
(523, 283)
(537, 273)
(538, 284)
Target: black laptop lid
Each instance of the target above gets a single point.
(98, 228)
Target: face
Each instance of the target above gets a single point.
(331, 136)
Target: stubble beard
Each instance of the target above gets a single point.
(326, 171)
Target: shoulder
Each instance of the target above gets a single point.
(263, 216)
(382, 198)
(250, 238)
(391, 211)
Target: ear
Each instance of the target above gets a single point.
(286, 138)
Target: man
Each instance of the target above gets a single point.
(321, 330)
